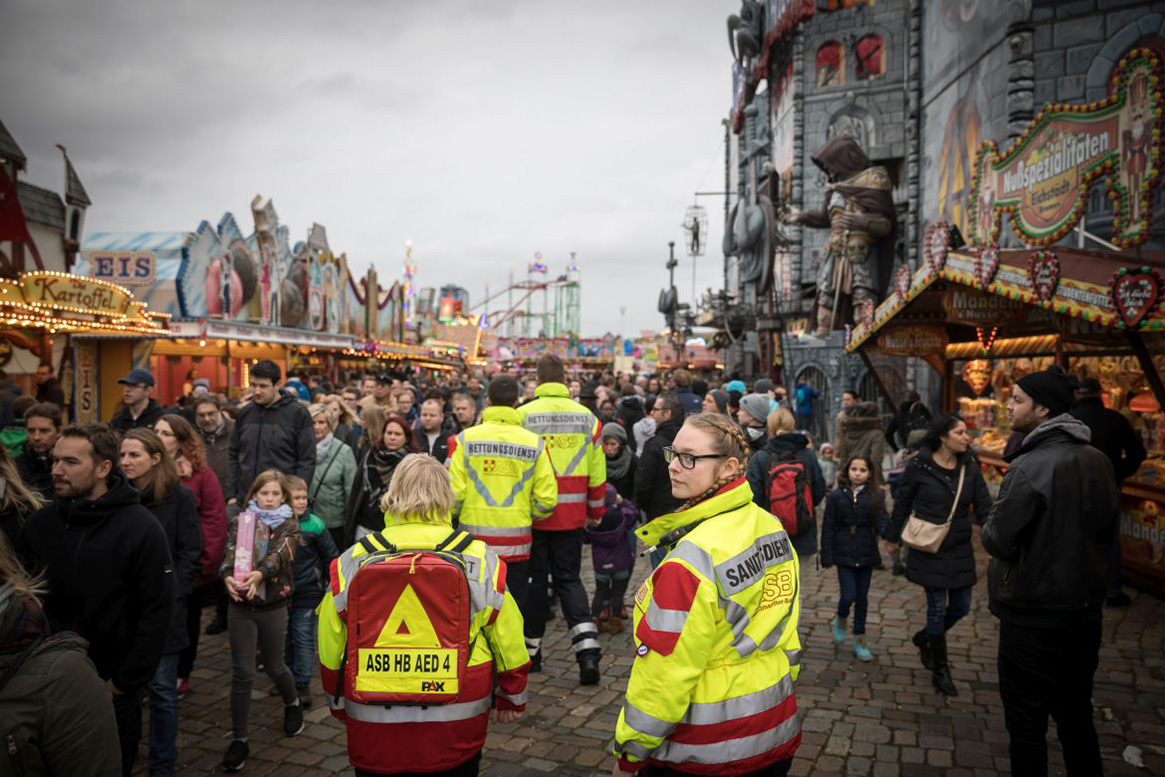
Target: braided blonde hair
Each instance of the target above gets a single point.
(728, 441)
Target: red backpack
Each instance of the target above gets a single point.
(409, 614)
(790, 498)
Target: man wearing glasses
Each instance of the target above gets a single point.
(652, 485)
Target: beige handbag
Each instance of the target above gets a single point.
(921, 534)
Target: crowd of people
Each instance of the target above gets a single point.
(377, 529)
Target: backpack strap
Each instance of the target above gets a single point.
(340, 680)
(463, 541)
(369, 548)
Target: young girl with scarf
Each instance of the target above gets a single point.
(258, 609)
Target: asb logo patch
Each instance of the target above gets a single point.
(642, 650)
(779, 589)
(641, 594)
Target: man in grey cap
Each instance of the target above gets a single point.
(139, 409)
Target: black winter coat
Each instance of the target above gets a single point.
(652, 483)
(37, 472)
(178, 514)
(110, 578)
(929, 491)
(761, 462)
(440, 447)
(278, 436)
(51, 391)
(851, 527)
(631, 411)
(1112, 435)
(911, 416)
(123, 420)
(312, 563)
(1051, 531)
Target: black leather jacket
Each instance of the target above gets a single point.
(1050, 533)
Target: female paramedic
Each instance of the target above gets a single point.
(416, 622)
(717, 652)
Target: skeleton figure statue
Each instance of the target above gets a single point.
(859, 214)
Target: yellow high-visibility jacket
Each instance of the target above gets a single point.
(504, 482)
(572, 435)
(384, 738)
(711, 689)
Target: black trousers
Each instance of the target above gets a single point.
(1046, 672)
(518, 583)
(610, 591)
(127, 710)
(559, 553)
(201, 596)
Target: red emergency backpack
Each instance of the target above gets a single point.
(790, 498)
(409, 615)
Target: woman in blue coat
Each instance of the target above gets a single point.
(855, 517)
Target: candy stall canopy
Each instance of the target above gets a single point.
(984, 318)
(104, 324)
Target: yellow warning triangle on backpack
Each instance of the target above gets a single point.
(408, 625)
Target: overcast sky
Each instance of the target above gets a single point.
(483, 131)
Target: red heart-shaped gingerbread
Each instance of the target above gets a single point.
(937, 244)
(902, 280)
(1044, 271)
(1135, 294)
(987, 264)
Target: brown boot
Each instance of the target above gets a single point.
(615, 625)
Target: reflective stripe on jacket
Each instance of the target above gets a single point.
(429, 738)
(711, 689)
(572, 437)
(504, 482)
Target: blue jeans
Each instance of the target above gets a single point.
(945, 607)
(164, 716)
(301, 643)
(855, 590)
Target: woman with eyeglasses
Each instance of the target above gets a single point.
(717, 651)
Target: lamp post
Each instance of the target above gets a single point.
(671, 283)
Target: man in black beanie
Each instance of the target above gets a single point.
(1050, 537)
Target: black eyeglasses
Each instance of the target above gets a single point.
(688, 460)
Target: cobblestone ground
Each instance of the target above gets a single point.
(881, 718)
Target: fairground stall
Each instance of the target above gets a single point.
(104, 325)
(236, 298)
(983, 316)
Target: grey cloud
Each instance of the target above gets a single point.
(483, 131)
